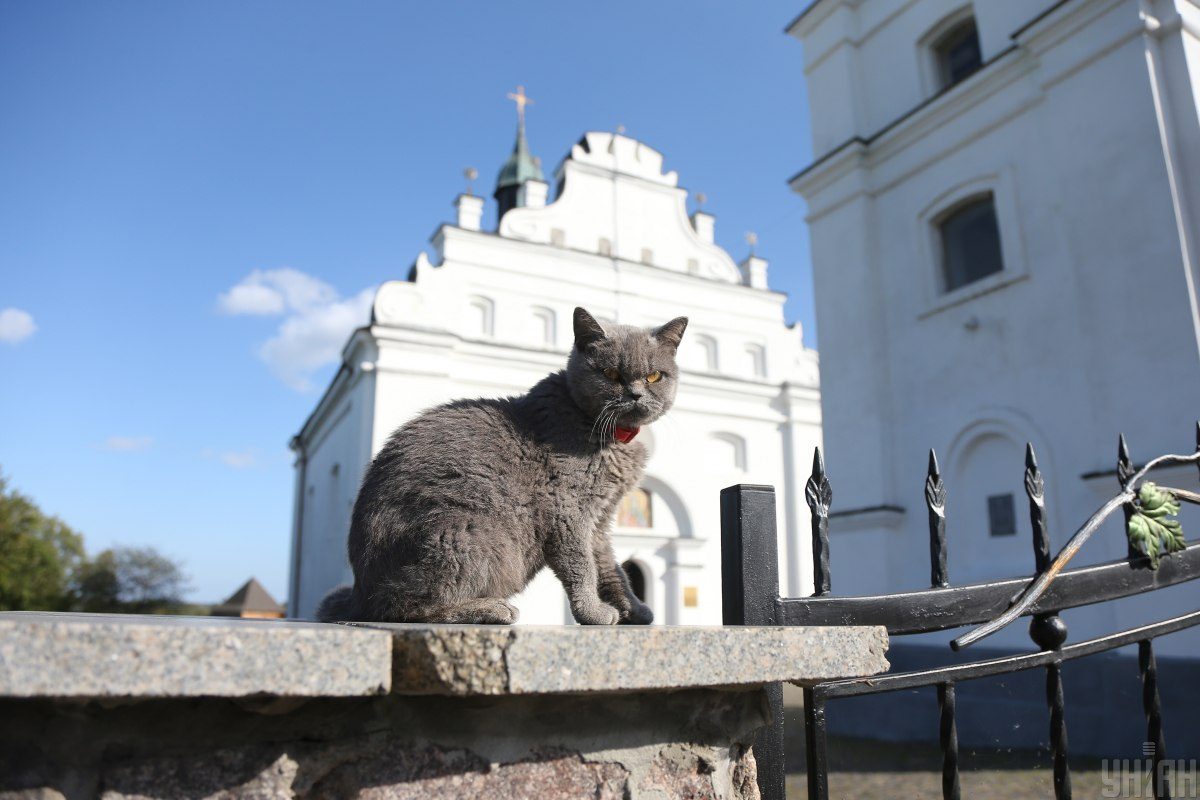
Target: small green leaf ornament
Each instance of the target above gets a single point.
(1153, 530)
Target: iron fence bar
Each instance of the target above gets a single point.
(948, 736)
(957, 673)
(749, 596)
(930, 610)
(1048, 631)
(819, 494)
(1125, 471)
(935, 502)
(1151, 705)
(1058, 731)
(815, 745)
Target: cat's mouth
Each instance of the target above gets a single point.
(633, 414)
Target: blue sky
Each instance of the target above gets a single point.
(155, 155)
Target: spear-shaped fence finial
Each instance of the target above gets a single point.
(819, 495)
(935, 501)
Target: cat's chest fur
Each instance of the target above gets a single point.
(595, 481)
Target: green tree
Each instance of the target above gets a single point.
(131, 580)
(38, 555)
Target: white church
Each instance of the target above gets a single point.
(1004, 209)
(488, 313)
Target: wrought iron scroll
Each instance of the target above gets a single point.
(1037, 587)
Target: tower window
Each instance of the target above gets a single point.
(1002, 515)
(957, 53)
(970, 239)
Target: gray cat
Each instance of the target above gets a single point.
(468, 501)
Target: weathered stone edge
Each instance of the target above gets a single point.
(462, 661)
(78, 657)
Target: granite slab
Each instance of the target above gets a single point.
(502, 660)
(116, 655)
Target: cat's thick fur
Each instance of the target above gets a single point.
(468, 501)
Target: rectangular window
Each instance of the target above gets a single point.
(1002, 515)
(970, 238)
(958, 54)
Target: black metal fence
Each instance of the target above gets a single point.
(750, 582)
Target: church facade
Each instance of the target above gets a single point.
(488, 313)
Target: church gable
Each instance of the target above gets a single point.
(615, 200)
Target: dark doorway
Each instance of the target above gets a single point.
(637, 579)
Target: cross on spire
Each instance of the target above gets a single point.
(521, 99)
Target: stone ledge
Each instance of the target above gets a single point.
(499, 660)
(103, 655)
(129, 656)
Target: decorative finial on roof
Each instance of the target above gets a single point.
(752, 240)
(521, 99)
(620, 130)
(701, 199)
(470, 173)
(521, 166)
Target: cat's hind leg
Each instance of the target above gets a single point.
(480, 611)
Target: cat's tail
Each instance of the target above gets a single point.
(339, 605)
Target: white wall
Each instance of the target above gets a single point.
(1055, 349)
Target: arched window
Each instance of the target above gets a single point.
(635, 511)
(729, 451)
(756, 360)
(956, 52)
(705, 347)
(480, 317)
(970, 242)
(544, 326)
(637, 579)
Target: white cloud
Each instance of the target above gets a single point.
(313, 339)
(271, 292)
(238, 460)
(128, 444)
(15, 325)
(315, 327)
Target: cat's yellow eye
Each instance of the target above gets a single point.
(612, 374)
(653, 377)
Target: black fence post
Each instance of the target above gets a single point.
(749, 596)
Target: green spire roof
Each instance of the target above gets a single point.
(521, 165)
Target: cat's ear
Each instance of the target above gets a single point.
(587, 330)
(672, 332)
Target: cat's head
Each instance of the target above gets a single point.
(621, 374)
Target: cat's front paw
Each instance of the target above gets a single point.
(639, 614)
(596, 614)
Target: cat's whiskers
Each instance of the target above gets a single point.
(600, 415)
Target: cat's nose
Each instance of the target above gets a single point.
(635, 392)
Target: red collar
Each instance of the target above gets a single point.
(625, 435)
